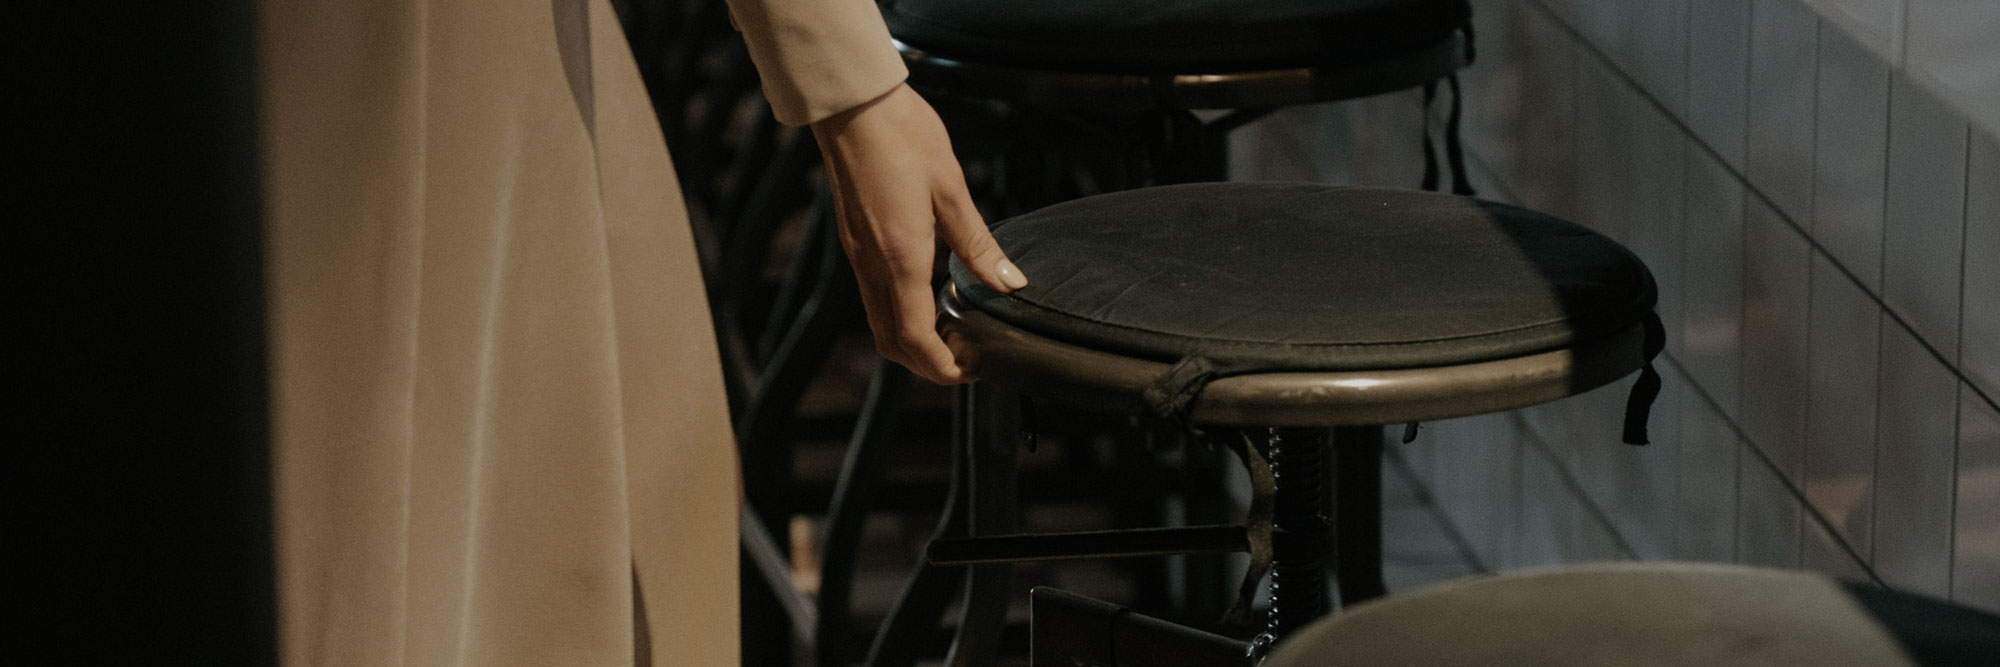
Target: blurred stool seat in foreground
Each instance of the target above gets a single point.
(1649, 615)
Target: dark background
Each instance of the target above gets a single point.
(137, 456)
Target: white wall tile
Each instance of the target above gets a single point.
(1598, 22)
(1876, 25)
(1477, 478)
(1272, 148)
(1975, 566)
(1718, 75)
(1554, 524)
(1645, 39)
(1952, 48)
(1544, 422)
(1632, 486)
(1924, 228)
(1767, 515)
(1657, 31)
(1495, 86)
(1979, 345)
(1383, 142)
(1487, 183)
(1853, 142)
(1421, 455)
(1521, 105)
(1777, 269)
(1914, 466)
(1710, 342)
(1416, 550)
(1331, 151)
(1779, 158)
(1705, 509)
(1839, 479)
(1604, 112)
(1658, 207)
(1543, 165)
(1541, 515)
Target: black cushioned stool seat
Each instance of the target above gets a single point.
(1138, 55)
(1157, 35)
(1209, 281)
(1295, 308)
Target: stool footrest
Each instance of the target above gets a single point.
(1070, 629)
(1090, 544)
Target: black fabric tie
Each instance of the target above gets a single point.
(1454, 146)
(1639, 404)
(1171, 396)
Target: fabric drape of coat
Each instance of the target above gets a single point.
(500, 436)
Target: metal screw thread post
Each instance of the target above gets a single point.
(1301, 531)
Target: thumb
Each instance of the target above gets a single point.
(965, 231)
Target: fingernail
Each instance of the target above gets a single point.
(1010, 276)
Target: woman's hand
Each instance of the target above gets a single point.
(897, 187)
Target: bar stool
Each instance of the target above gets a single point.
(1649, 615)
(1100, 96)
(1129, 72)
(1263, 315)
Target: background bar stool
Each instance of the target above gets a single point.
(1649, 615)
(1126, 73)
(1261, 314)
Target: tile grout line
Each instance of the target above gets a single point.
(1875, 455)
(1881, 326)
(1820, 26)
(1958, 411)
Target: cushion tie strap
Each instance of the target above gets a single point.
(1430, 149)
(1454, 148)
(1639, 404)
(1171, 396)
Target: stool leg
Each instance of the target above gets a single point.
(994, 438)
(1300, 532)
(847, 514)
(929, 589)
(1357, 512)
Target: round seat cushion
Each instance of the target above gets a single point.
(1647, 614)
(1200, 36)
(1282, 276)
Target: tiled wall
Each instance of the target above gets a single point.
(1816, 185)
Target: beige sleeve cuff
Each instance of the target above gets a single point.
(818, 57)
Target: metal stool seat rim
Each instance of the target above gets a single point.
(1168, 90)
(1106, 381)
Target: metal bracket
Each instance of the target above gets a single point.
(1257, 527)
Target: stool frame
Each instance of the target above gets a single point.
(1304, 416)
(1191, 148)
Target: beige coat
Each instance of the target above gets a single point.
(500, 434)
